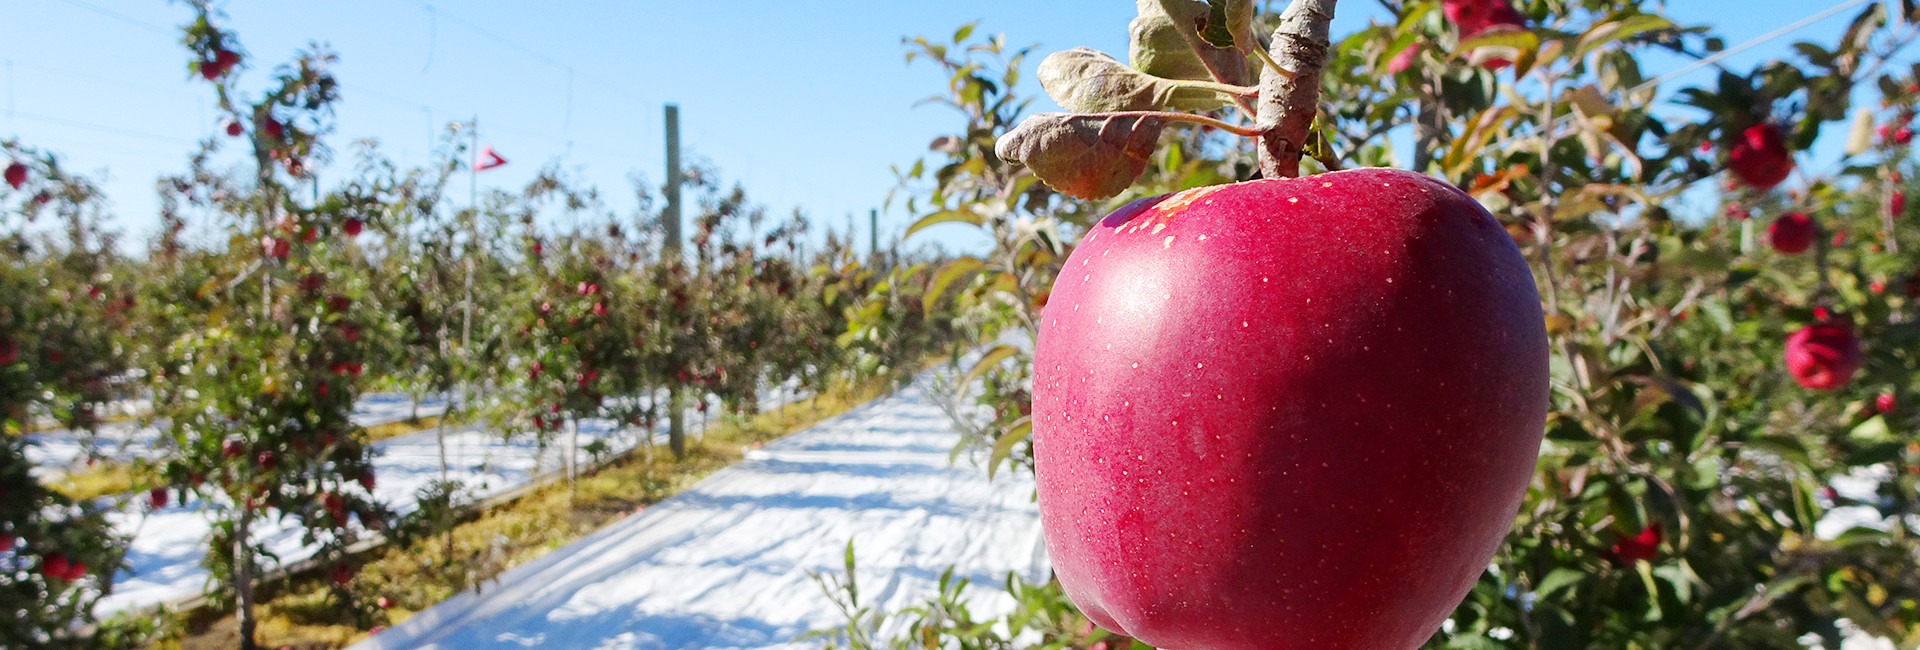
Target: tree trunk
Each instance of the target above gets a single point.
(573, 457)
(1425, 132)
(243, 579)
(676, 425)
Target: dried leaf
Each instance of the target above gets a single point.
(945, 144)
(1083, 80)
(1162, 38)
(1084, 156)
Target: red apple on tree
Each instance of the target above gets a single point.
(16, 175)
(55, 565)
(1792, 233)
(1404, 59)
(1311, 405)
(352, 227)
(157, 498)
(1760, 158)
(1475, 16)
(276, 247)
(1641, 546)
(1823, 355)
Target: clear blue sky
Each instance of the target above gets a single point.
(806, 103)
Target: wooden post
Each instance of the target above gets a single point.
(676, 420)
(671, 218)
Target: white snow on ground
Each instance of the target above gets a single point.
(163, 560)
(725, 564)
(54, 453)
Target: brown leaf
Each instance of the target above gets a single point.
(1084, 156)
(945, 143)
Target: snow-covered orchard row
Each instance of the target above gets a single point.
(55, 453)
(726, 563)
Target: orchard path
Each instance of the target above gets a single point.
(725, 564)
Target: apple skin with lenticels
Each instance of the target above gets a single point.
(1288, 413)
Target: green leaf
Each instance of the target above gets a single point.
(1415, 13)
(1003, 446)
(945, 276)
(1874, 429)
(1229, 24)
(943, 216)
(1653, 590)
(1558, 579)
(988, 361)
(964, 31)
(1161, 40)
(1619, 30)
(1513, 38)
(1787, 448)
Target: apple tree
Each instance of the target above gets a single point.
(61, 310)
(258, 383)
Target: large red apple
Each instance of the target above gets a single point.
(1823, 356)
(1289, 413)
(1760, 158)
(16, 175)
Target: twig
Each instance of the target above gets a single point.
(1288, 102)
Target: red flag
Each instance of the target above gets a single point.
(488, 159)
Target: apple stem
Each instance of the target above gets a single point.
(1290, 89)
